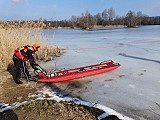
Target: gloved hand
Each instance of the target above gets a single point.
(36, 64)
(35, 68)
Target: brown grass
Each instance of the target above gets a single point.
(11, 39)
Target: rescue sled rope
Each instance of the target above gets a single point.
(112, 46)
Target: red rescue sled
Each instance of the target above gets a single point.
(70, 74)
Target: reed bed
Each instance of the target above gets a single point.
(11, 39)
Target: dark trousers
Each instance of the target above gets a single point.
(20, 68)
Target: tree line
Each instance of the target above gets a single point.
(88, 21)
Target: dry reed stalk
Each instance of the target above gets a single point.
(49, 52)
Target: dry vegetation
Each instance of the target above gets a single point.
(11, 39)
(50, 108)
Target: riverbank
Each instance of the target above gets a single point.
(39, 110)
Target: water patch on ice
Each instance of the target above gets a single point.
(131, 86)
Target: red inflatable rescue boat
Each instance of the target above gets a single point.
(71, 74)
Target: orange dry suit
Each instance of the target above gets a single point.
(25, 53)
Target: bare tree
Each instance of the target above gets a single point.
(119, 20)
(104, 17)
(87, 21)
(131, 19)
(111, 15)
(73, 21)
(105, 14)
(98, 17)
(139, 17)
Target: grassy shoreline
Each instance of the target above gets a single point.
(40, 110)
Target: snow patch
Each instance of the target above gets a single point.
(132, 86)
(58, 97)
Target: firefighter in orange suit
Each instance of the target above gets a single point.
(21, 55)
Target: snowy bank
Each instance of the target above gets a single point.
(58, 97)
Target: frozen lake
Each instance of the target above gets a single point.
(134, 88)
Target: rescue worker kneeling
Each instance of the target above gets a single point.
(21, 55)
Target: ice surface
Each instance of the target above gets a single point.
(133, 89)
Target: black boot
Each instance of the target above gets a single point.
(18, 82)
(31, 79)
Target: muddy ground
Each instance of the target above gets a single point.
(39, 110)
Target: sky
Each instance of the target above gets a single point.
(64, 9)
